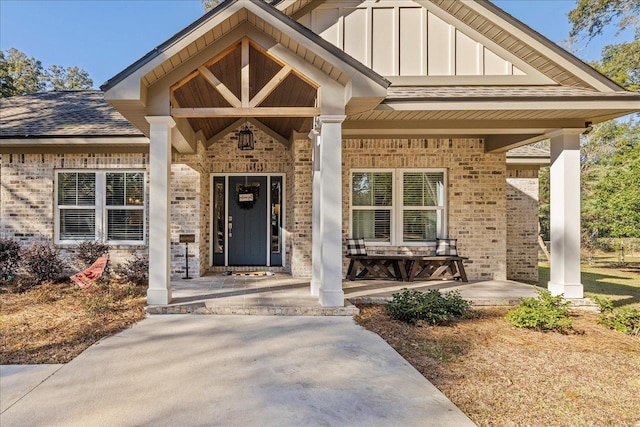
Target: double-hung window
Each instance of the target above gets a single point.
(398, 206)
(100, 205)
(372, 205)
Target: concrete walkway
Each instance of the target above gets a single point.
(187, 370)
(281, 294)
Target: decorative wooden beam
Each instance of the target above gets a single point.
(245, 72)
(270, 87)
(220, 87)
(183, 81)
(245, 112)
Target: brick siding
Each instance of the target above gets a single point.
(522, 225)
(27, 196)
(479, 200)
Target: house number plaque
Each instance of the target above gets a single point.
(187, 238)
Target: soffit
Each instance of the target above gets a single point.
(242, 16)
(513, 92)
(591, 115)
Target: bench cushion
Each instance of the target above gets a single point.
(356, 247)
(447, 247)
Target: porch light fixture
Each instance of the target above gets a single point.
(245, 138)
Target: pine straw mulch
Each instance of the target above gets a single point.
(500, 375)
(54, 322)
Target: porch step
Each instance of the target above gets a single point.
(202, 308)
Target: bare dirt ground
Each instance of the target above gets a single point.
(54, 322)
(500, 375)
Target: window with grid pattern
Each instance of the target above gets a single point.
(398, 206)
(93, 205)
(372, 202)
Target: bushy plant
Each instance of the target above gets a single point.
(9, 258)
(432, 307)
(89, 251)
(42, 262)
(544, 313)
(625, 320)
(135, 271)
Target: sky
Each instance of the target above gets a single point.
(103, 37)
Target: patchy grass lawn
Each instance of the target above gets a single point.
(54, 322)
(621, 284)
(500, 375)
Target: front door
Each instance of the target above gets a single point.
(247, 220)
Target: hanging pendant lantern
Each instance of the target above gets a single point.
(245, 138)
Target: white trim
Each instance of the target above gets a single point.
(100, 206)
(374, 208)
(443, 232)
(226, 176)
(397, 207)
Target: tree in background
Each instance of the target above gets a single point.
(610, 154)
(210, 4)
(21, 75)
(70, 78)
(590, 17)
(26, 74)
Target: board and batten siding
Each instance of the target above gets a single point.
(401, 38)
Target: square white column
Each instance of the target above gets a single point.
(331, 294)
(159, 291)
(565, 213)
(316, 249)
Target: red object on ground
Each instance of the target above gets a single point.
(86, 277)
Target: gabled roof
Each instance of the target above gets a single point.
(64, 114)
(266, 8)
(524, 42)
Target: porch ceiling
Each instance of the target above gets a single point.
(220, 84)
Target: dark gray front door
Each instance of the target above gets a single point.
(248, 220)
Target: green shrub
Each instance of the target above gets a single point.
(42, 263)
(9, 258)
(544, 313)
(625, 320)
(135, 271)
(431, 307)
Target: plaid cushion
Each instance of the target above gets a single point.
(356, 247)
(447, 247)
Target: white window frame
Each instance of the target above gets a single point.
(100, 207)
(397, 208)
(392, 228)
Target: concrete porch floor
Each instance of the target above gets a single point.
(280, 294)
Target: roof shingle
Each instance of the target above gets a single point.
(62, 114)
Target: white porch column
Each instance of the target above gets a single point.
(565, 213)
(159, 291)
(316, 255)
(331, 294)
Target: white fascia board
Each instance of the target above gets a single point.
(129, 87)
(75, 141)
